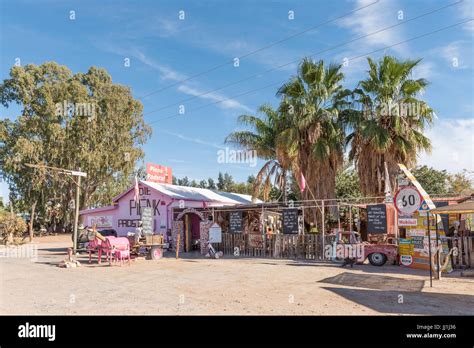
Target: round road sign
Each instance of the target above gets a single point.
(408, 200)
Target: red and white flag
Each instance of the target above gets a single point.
(137, 190)
(302, 182)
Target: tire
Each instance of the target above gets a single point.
(377, 259)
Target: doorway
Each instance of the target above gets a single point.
(192, 232)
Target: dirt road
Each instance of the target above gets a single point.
(226, 286)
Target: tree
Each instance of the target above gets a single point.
(347, 183)
(432, 180)
(311, 104)
(70, 121)
(11, 225)
(210, 184)
(388, 126)
(461, 183)
(203, 184)
(184, 181)
(263, 138)
(220, 182)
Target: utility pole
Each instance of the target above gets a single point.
(79, 174)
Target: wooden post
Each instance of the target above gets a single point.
(76, 216)
(177, 245)
(438, 250)
(323, 229)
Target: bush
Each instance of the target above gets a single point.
(11, 226)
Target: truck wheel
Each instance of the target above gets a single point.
(377, 259)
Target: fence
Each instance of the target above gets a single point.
(284, 246)
(465, 256)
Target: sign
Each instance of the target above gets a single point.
(408, 200)
(377, 218)
(215, 234)
(290, 221)
(147, 220)
(235, 222)
(159, 174)
(402, 182)
(406, 251)
(101, 221)
(404, 221)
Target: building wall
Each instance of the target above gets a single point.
(125, 217)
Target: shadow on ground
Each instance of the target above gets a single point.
(416, 303)
(375, 281)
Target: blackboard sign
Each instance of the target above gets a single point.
(235, 222)
(290, 221)
(147, 220)
(376, 218)
(444, 217)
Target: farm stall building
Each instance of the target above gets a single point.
(125, 212)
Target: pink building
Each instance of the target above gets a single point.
(124, 213)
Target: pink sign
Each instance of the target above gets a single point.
(159, 174)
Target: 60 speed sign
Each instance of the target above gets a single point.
(408, 200)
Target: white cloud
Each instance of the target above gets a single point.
(166, 72)
(457, 52)
(221, 100)
(372, 19)
(191, 139)
(453, 145)
(466, 11)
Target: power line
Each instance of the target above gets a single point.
(258, 50)
(349, 59)
(297, 60)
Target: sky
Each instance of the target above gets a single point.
(183, 53)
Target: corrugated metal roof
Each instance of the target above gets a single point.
(199, 194)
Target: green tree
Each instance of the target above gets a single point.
(389, 126)
(69, 121)
(347, 182)
(461, 183)
(432, 180)
(211, 184)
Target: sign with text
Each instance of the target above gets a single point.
(215, 234)
(147, 220)
(159, 174)
(408, 200)
(407, 221)
(290, 221)
(236, 222)
(377, 218)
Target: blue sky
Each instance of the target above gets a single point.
(164, 50)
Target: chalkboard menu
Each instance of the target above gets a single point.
(235, 222)
(376, 218)
(290, 221)
(147, 220)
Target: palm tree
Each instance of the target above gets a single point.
(388, 126)
(264, 140)
(311, 103)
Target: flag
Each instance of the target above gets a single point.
(137, 190)
(302, 182)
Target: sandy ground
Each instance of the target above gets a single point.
(192, 286)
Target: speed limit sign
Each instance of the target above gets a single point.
(408, 200)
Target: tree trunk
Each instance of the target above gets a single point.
(32, 218)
